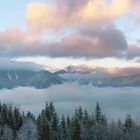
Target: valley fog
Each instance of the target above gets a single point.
(115, 102)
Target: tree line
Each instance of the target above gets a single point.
(82, 125)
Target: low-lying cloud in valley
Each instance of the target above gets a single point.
(115, 102)
(10, 64)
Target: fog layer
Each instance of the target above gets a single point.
(115, 102)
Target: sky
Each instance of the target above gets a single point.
(58, 33)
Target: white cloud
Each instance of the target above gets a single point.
(10, 64)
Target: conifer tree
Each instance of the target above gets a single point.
(128, 124)
(63, 129)
(28, 131)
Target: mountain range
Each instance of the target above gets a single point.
(27, 78)
(100, 77)
(43, 79)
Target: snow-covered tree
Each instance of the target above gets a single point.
(82, 125)
(6, 133)
(28, 131)
(63, 129)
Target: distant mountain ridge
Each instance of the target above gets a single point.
(124, 81)
(82, 69)
(119, 81)
(99, 77)
(43, 79)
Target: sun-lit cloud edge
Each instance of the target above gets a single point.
(96, 35)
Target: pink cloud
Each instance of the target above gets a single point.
(12, 36)
(14, 42)
(96, 42)
(92, 42)
(133, 51)
(92, 19)
(66, 13)
(89, 43)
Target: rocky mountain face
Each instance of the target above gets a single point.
(124, 81)
(99, 77)
(82, 69)
(43, 79)
(13, 78)
(119, 81)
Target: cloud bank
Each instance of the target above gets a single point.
(6, 64)
(92, 22)
(65, 13)
(95, 42)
